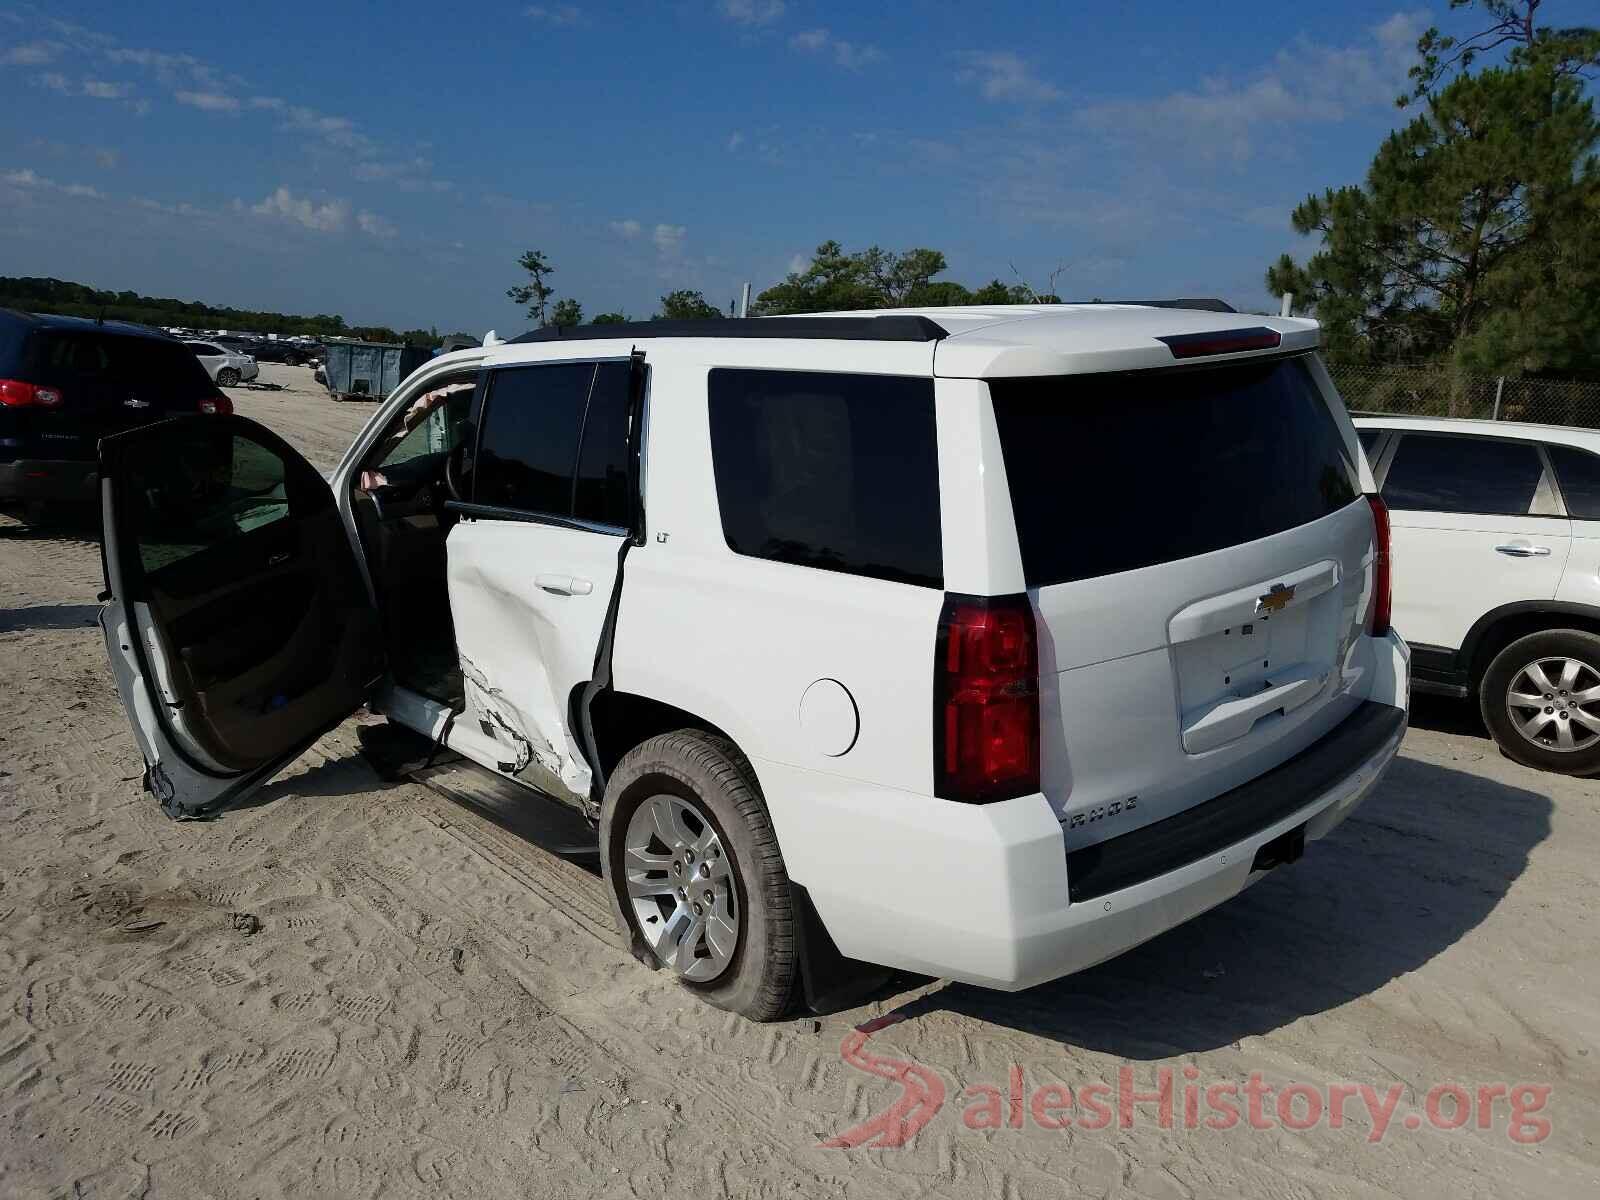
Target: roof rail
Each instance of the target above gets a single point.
(1199, 303)
(844, 329)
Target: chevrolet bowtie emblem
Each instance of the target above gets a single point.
(1274, 600)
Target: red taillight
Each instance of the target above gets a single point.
(16, 394)
(1382, 568)
(986, 700)
(218, 405)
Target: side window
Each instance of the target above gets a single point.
(555, 442)
(1369, 439)
(431, 426)
(838, 472)
(601, 489)
(196, 490)
(1435, 473)
(1579, 474)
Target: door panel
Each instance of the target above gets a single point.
(238, 626)
(525, 645)
(1452, 565)
(1451, 568)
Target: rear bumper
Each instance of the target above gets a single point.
(48, 479)
(988, 894)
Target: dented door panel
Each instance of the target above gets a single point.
(526, 645)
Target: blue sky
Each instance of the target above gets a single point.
(389, 162)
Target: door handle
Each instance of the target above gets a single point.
(1523, 550)
(564, 585)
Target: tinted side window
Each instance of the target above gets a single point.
(1369, 439)
(1578, 472)
(1434, 473)
(601, 489)
(839, 472)
(529, 445)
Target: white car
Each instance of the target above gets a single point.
(984, 643)
(227, 368)
(1497, 574)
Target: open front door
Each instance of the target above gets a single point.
(238, 625)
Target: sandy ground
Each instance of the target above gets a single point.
(433, 1006)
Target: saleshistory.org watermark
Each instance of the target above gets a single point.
(1178, 1098)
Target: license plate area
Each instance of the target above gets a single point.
(1246, 658)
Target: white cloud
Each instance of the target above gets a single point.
(559, 16)
(1306, 81)
(27, 177)
(331, 216)
(374, 225)
(1004, 77)
(30, 54)
(199, 84)
(100, 89)
(852, 56)
(182, 209)
(668, 238)
(208, 101)
(414, 174)
(735, 140)
(799, 264)
(751, 12)
(627, 229)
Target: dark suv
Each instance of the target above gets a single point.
(66, 382)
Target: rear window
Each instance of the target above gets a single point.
(1109, 473)
(164, 368)
(833, 471)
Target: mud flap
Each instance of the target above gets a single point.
(829, 981)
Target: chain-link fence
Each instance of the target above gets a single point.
(1430, 390)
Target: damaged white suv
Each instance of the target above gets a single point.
(984, 643)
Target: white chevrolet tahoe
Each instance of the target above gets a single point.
(983, 643)
(1497, 547)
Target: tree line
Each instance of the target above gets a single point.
(834, 280)
(64, 298)
(1474, 240)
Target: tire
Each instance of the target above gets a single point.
(1538, 735)
(669, 783)
(228, 377)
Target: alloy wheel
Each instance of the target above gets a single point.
(1555, 704)
(681, 887)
